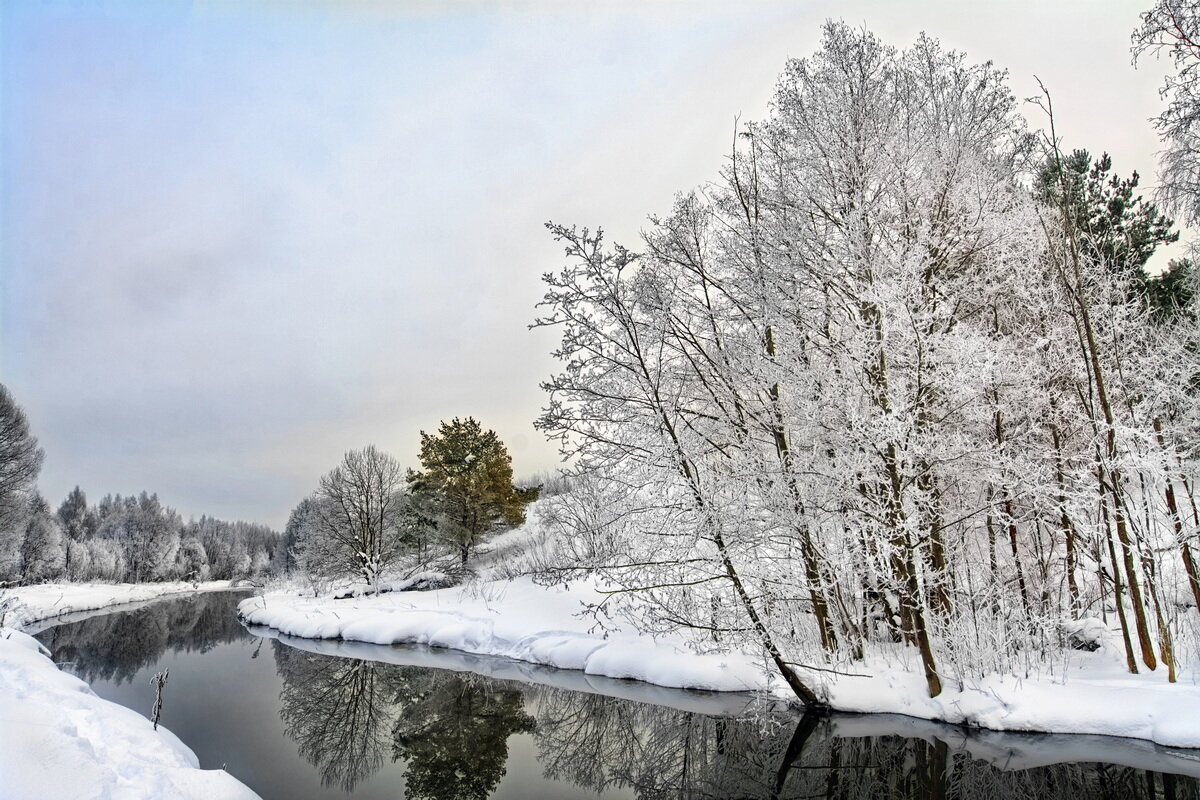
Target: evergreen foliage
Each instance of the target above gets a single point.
(1121, 230)
(465, 486)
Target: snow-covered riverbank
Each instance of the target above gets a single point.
(544, 625)
(60, 740)
(23, 606)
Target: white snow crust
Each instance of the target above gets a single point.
(58, 739)
(522, 620)
(45, 601)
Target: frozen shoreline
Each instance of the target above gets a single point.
(520, 620)
(1006, 750)
(49, 601)
(59, 739)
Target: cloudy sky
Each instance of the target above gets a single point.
(239, 239)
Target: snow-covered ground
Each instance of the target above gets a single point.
(58, 739)
(519, 619)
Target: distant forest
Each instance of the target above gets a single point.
(137, 539)
(134, 538)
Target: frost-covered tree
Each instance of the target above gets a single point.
(867, 388)
(79, 565)
(232, 549)
(1172, 27)
(147, 532)
(79, 523)
(285, 558)
(78, 520)
(20, 462)
(191, 562)
(43, 551)
(106, 560)
(357, 515)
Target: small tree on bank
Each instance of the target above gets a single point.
(354, 520)
(466, 486)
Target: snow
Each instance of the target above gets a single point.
(726, 704)
(24, 606)
(58, 739)
(516, 619)
(522, 620)
(1096, 697)
(1017, 751)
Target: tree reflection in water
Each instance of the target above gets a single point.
(452, 729)
(597, 742)
(453, 733)
(114, 646)
(339, 711)
(348, 716)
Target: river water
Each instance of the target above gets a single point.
(302, 719)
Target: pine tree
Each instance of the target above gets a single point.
(1117, 228)
(466, 486)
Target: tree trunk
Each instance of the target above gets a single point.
(808, 550)
(1189, 564)
(1108, 473)
(1069, 533)
(1130, 659)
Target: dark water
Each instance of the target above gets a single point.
(297, 719)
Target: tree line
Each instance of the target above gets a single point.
(134, 538)
(365, 515)
(899, 382)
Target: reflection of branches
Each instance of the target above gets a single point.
(338, 710)
(582, 736)
(348, 716)
(598, 742)
(660, 753)
(116, 646)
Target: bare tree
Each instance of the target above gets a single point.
(1172, 27)
(355, 521)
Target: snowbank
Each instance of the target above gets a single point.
(31, 604)
(515, 619)
(1096, 697)
(58, 739)
(543, 625)
(724, 704)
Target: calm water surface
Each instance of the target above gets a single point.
(300, 719)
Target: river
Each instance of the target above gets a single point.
(304, 719)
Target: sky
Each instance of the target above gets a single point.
(238, 239)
